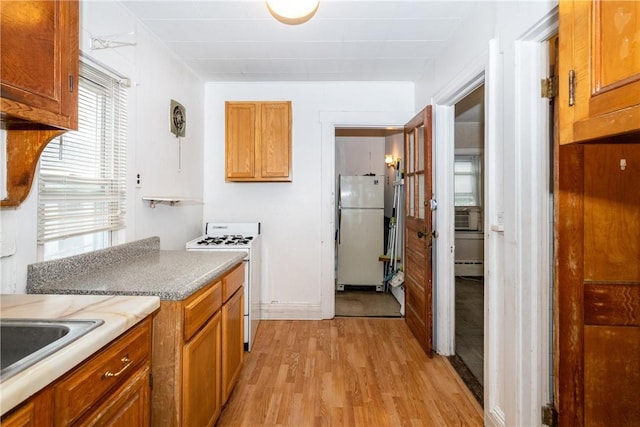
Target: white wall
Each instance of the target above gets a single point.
(360, 155)
(152, 150)
(290, 213)
(166, 166)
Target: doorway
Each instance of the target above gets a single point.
(468, 178)
(361, 240)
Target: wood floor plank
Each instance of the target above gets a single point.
(346, 372)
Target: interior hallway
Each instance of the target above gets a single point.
(346, 372)
(469, 352)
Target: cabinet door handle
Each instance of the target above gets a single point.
(126, 361)
(572, 88)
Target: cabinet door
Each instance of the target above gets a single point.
(600, 47)
(240, 136)
(39, 62)
(93, 381)
(597, 290)
(127, 406)
(232, 342)
(275, 141)
(201, 375)
(22, 417)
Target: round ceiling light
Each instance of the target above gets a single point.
(293, 12)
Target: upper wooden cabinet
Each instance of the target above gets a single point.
(258, 141)
(38, 84)
(39, 63)
(600, 52)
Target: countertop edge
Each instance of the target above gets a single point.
(119, 313)
(139, 280)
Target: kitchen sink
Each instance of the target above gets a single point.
(24, 342)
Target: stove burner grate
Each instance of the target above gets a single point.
(226, 239)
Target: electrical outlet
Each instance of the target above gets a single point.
(138, 181)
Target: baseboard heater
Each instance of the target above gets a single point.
(469, 267)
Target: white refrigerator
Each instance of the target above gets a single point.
(360, 231)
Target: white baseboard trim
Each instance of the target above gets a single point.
(291, 311)
(469, 268)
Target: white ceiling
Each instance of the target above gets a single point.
(347, 40)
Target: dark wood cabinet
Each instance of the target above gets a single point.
(39, 63)
(599, 70)
(597, 217)
(38, 83)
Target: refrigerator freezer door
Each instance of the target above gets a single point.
(362, 192)
(361, 243)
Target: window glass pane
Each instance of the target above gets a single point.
(411, 196)
(420, 147)
(463, 166)
(421, 196)
(467, 180)
(75, 245)
(82, 174)
(411, 146)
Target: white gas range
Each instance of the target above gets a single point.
(238, 237)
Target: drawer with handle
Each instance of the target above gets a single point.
(232, 282)
(200, 307)
(83, 387)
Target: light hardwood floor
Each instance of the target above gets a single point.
(367, 372)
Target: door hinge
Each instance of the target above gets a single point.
(150, 380)
(71, 83)
(549, 87)
(549, 415)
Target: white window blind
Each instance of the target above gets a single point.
(82, 178)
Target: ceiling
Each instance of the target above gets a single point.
(347, 40)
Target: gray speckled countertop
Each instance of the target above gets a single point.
(137, 268)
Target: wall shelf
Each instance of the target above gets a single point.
(171, 201)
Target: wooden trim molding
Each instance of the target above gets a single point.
(23, 152)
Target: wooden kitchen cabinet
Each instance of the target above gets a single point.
(32, 412)
(38, 84)
(110, 388)
(39, 63)
(129, 405)
(258, 141)
(599, 46)
(189, 352)
(202, 364)
(232, 342)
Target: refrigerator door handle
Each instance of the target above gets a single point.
(339, 207)
(339, 221)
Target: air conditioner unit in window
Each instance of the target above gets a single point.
(468, 218)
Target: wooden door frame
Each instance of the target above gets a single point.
(328, 122)
(527, 377)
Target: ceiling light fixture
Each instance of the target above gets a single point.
(293, 12)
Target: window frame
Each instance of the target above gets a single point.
(97, 195)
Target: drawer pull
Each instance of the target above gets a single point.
(126, 361)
